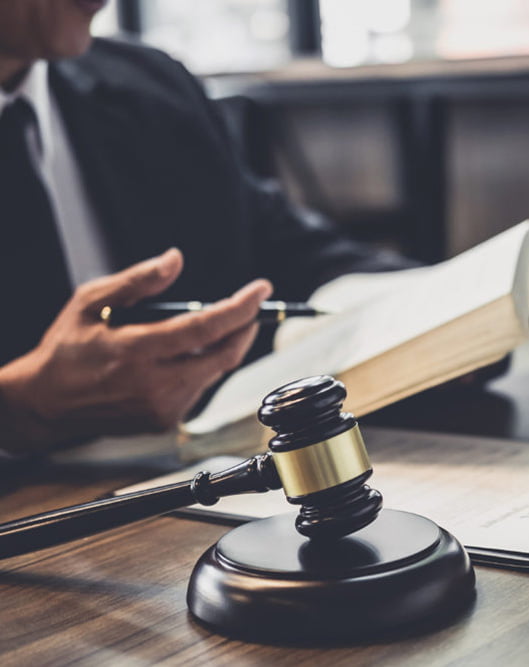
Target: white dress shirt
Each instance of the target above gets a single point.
(86, 252)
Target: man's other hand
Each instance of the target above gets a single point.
(85, 379)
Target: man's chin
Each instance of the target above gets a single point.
(71, 49)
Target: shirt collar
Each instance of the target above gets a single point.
(34, 89)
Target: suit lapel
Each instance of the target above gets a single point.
(156, 172)
(100, 130)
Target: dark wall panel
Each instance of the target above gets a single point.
(487, 169)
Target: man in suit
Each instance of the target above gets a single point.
(110, 154)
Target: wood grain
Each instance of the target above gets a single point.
(119, 598)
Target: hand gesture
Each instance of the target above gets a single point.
(85, 379)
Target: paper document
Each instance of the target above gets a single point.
(476, 488)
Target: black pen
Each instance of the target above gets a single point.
(270, 312)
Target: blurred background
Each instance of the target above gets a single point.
(407, 121)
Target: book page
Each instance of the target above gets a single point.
(346, 293)
(437, 295)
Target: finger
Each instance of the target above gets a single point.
(137, 282)
(177, 386)
(206, 369)
(187, 333)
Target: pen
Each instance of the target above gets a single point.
(270, 312)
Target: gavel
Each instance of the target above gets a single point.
(317, 456)
(347, 570)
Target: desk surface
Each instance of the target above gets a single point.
(119, 598)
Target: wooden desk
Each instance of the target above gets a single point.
(119, 598)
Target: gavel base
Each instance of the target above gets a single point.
(263, 581)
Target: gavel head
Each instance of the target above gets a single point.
(320, 457)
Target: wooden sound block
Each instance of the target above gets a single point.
(264, 581)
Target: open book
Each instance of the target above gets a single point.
(398, 334)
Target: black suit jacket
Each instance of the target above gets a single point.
(161, 171)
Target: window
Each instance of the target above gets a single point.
(220, 35)
(481, 28)
(105, 23)
(213, 36)
(357, 32)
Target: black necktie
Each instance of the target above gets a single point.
(33, 278)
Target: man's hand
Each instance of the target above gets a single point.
(85, 379)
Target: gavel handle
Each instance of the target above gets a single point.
(257, 474)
